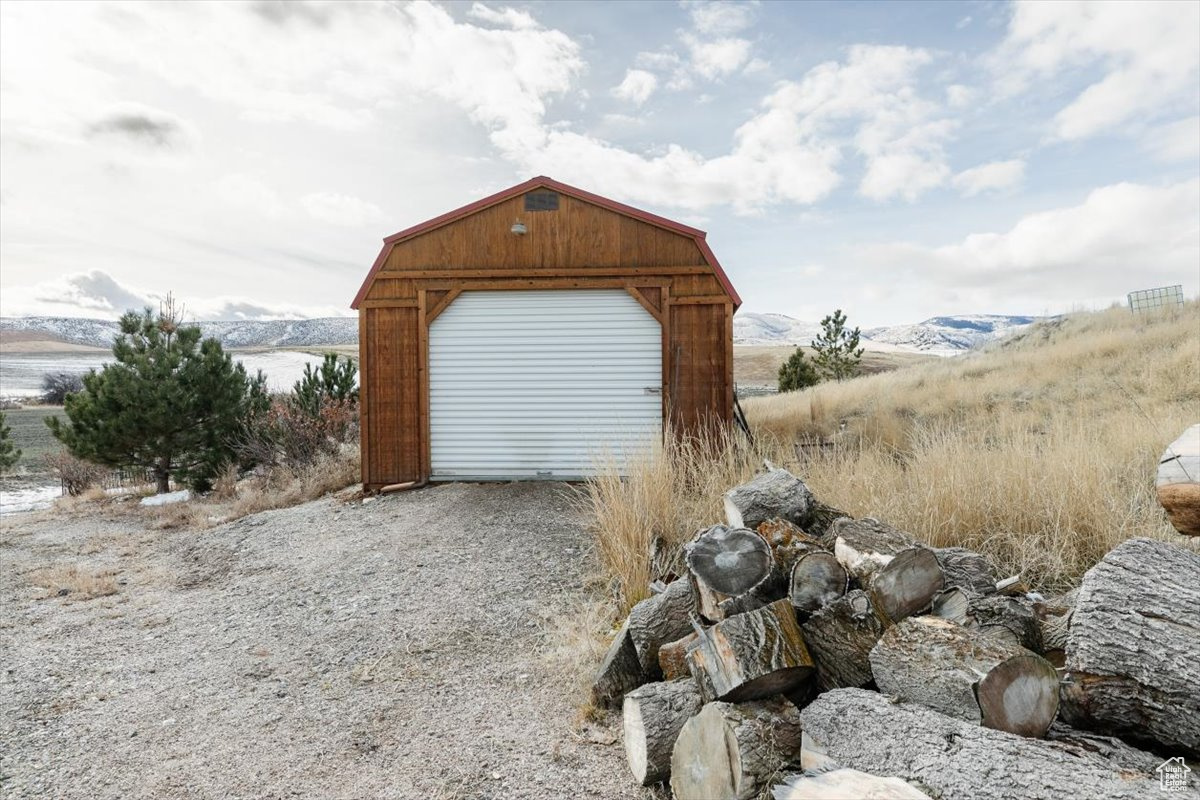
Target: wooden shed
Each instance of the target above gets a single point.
(526, 334)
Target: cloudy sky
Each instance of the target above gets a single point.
(897, 160)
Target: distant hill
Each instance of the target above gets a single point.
(328, 331)
(936, 336)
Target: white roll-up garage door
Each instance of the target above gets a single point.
(537, 384)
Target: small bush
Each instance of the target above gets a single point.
(77, 475)
(9, 453)
(334, 382)
(290, 435)
(57, 385)
(797, 373)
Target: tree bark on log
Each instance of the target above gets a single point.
(729, 752)
(906, 584)
(672, 658)
(726, 563)
(966, 675)
(775, 493)
(619, 672)
(865, 545)
(1133, 649)
(844, 784)
(751, 656)
(657, 620)
(651, 718)
(820, 520)
(840, 637)
(817, 580)
(1011, 619)
(788, 543)
(1054, 622)
(967, 570)
(1178, 482)
(955, 759)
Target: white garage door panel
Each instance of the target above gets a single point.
(537, 384)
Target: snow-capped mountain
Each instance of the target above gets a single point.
(951, 335)
(258, 333)
(936, 336)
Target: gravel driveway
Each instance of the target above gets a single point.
(395, 648)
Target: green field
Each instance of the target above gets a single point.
(30, 434)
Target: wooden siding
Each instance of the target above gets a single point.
(581, 245)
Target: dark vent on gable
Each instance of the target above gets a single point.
(541, 201)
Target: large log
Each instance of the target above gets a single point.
(840, 637)
(955, 759)
(619, 672)
(1133, 649)
(788, 543)
(970, 571)
(967, 675)
(906, 584)
(751, 656)
(729, 752)
(651, 718)
(672, 658)
(659, 619)
(844, 784)
(726, 563)
(775, 493)
(1178, 482)
(865, 545)
(817, 580)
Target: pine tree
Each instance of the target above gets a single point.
(797, 373)
(170, 403)
(837, 351)
(334, 381)
(8, 451)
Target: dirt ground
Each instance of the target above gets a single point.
(395, 649)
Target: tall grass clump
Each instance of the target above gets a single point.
(1040, 452)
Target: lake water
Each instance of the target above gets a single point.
(21, 373)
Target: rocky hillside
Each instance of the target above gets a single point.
(936, 336)
(259, 333)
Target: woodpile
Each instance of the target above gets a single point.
(807, 654)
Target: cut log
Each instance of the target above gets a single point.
(751, 656)
(788, 543)
(619, 672)
(1178, 482)
(817, 580)
(844, 784)
(970, 571)
(657, 620)
(672, 658)
(840, 637)
(652, 716)
(865, 545)
(775, 493)
(955, 759)
(906, 584)
(1133, 649)
(820, 520)
(1011, 618)
(726, 563)
(966, 675)
(730, 752)
(951, 604)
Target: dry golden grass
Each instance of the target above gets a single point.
(1040, 452)
(284, 486)
(75, 583)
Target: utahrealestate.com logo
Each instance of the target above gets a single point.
(1173, 774)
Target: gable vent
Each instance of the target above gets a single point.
(541, 201)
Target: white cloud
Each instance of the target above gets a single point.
(721, 18)
(716, 58)
(1146, 50)
(97, 294)
(246, 193)
(506, 17)
(341, 209)
(1121, 237)
(637, 86)
(959, 96)
(993, 176)
(1175, 141)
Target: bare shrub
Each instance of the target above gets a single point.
(292, 436)
(77, 475)
(57, 385)
(225, 485)
(286, 486)
(69, 580)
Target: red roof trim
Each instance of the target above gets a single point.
(549, 183)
